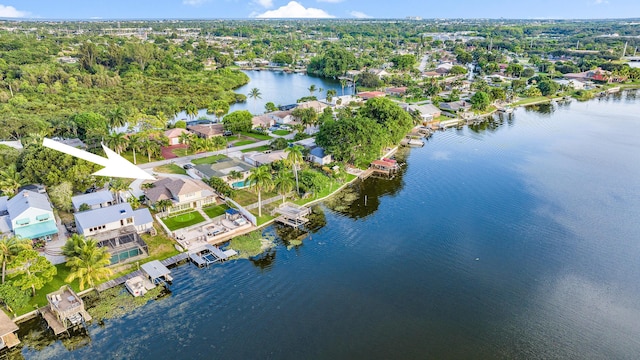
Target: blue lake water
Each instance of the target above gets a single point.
(279, 88)
(514, 239)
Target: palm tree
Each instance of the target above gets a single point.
(90, 264)
(117, 141)
(255, 94)
(191, 110)
(330, 94)
(283, 184)
(343, 83)
(135, 144)
(10, 180)
(312, 89)
(150, 147)
(215, 143)
(260, 178)
(116, 117)
(9, 248)
(163, 204)
(294, 155)
(117, 186)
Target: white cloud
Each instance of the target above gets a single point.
(295, 10)
(264, 3)
(359, 15)
(331, 1)
(194, 2)
(11, 12)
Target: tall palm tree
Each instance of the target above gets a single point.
(10, 180)
(186, 138)
(90, 264)
(294, 156)
(135, 144)
(255, 94)
(10, 247)
(117, 141)
(283, 184)
(260, 179)
(312, 89)
(118, 186)
(116, 117)
(343, 83)
(330, 94)
(163, 204)
(150, 147)
(215, 143)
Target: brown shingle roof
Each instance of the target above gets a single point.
(169, 188)
(207, 131)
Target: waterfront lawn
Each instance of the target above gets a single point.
(40, 299)
(256, 135)
(243, 142)
(170, 169)
(246, 197)
(215, 211)
(257, 148)
(208, 160)
(532, 100)
(183, 220)
(326, 191)
(281, 132)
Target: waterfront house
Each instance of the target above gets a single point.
(380, 73)
(117, 229)
(174, 135)
(427, 112)
(65, 309)
(184, 193)
(319, 156)
(281, 117)
(262, 121)
(455, 106)
(207, 131)
(28, 215)
(314, 104)
(94, 200)
(8, 329)
(573, 83)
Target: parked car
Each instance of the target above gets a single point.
(187, 166)
(273, 128)
(227, 133)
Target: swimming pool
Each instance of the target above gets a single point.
(239, 184)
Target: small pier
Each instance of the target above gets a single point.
(121, 280)
(412, 142)
(384, 166)
(64, 311)
(209, 254)
(292, 215)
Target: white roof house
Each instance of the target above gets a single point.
(95, 200)
(110, 218)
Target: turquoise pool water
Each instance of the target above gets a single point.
(239, 185)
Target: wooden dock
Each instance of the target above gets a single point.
(292, 215)
(121, 280)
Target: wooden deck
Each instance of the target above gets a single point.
(121, 280)
(53, 322)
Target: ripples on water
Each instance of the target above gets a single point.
(518, 239)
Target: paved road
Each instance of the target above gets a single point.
(423, 63)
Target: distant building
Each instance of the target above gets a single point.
(455, 106)
(427, 112)
(174, 135)
(371, 94)
(262, 121)
(263, 158)
(281, 117)
(207, 131)
(396, 91)
(317, 155)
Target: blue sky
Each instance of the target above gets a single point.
(207, 9)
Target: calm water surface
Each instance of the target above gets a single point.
(279, 88)
(514, 239)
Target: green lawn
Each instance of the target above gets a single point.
(325, 191)
(532, 100)
(170, 169)
(256, 136)
(232, 138)
(181, 152)
(183, 220)
(215, 211)
(281, 132)
(208, 160)
(243, 142)
(141, 157)
(40, 299)
(246, 197)
(257, 148)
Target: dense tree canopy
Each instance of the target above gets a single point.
(238, 121)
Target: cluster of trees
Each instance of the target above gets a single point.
(359, 139)
(333, 62)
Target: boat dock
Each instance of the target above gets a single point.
(121, 280)
(292, 215)
(208, 254)
(385, 166)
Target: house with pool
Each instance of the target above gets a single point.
(117, 228)
(224, 169)
(28, 215)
